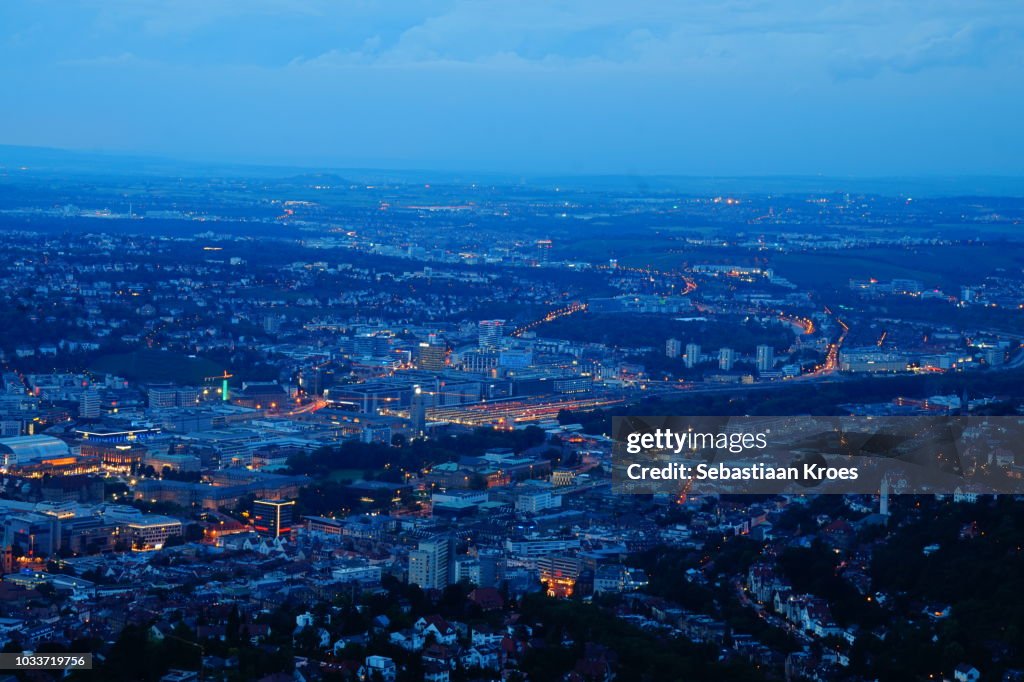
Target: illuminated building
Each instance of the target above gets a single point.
(562, 477)
(27, 450)
(560, 573)
(534, 501)
(432, 357)
(37, 456)
(162, 397)
(115, 434)
(515, 359)
(321, 525)
(273, 518)
(573, 384)
(478, 362)
(490, 333)
(152, 531)
(89, 404)
(428, 565)
(71, 465)
(673, 348)
(188, 396)
(726, 359)
(122, 457)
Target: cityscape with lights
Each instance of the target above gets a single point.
(511, 341)
(339, 429)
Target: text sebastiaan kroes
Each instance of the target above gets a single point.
(663, 441)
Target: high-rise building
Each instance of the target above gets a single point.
(726, 359)
(673, 348)
(432, 357)
(692, 355)
(490, 333)
(273, 518)
(428, 565)
(89, 404)
(765, 358)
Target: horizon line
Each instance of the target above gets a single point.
(514, 176)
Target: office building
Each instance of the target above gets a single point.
(89, 404)
(490, 333)
(162, 397)
(765, 358)
(151, 532)
(273, 518)
(432, 357)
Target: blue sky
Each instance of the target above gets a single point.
(708, 87)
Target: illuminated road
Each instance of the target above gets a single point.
(317, 404)
(513, 411)
(802, 325)
(689, 284)
(568, 310)
(831, 364)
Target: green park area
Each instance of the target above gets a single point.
(157, 366)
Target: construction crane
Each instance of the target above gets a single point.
(224, 393)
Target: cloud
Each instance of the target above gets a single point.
(841, 40)
(974, 45)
